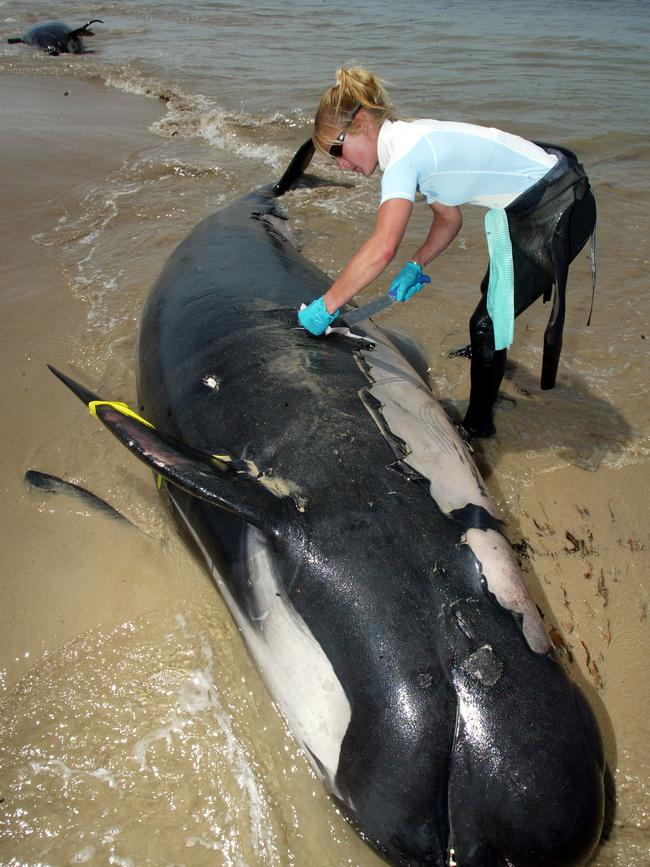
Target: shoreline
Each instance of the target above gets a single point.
(62, 135)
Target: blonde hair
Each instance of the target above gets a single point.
(356, 88)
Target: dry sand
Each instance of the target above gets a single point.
(582, 536)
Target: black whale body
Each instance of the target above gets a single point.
(55, 37)
(352, 539)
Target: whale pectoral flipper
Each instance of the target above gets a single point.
(54, 485)
(205, 476)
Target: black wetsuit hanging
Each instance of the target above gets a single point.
(549, 224)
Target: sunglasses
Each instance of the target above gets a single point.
(336, 149)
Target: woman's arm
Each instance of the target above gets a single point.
(380, 248)
(374, 255)
(447, 220)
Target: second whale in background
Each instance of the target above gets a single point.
(55, 37)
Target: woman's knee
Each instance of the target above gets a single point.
(481, 332)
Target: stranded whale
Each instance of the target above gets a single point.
(352, 538)
(56, 38)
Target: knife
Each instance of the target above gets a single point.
(353, 317)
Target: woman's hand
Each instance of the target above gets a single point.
(316, 317)
(409, 281)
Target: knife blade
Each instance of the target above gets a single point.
(353, 317)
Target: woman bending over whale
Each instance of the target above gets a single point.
(540, 213)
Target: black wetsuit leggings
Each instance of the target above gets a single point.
(531, 282)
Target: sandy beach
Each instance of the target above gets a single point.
(71, 577)
(59, 136)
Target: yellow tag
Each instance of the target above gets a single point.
(124, 408)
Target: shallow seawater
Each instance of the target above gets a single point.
(152, 740)
(155, 737)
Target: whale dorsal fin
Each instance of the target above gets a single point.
(295, 169)
(221, 480)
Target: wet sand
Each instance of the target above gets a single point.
(58, 137)
(582, 535)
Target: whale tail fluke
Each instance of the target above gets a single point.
(219, 479)
(84, 31)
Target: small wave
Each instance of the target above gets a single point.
(195, 115)
(294, 120)
(131, 81)
(157, 171)
(255, 138)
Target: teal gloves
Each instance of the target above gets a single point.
(315, 317)
(409, 281)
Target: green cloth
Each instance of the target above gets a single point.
(501, 285)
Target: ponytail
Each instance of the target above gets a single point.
(356, 88)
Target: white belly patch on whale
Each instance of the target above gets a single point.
(294, 667)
